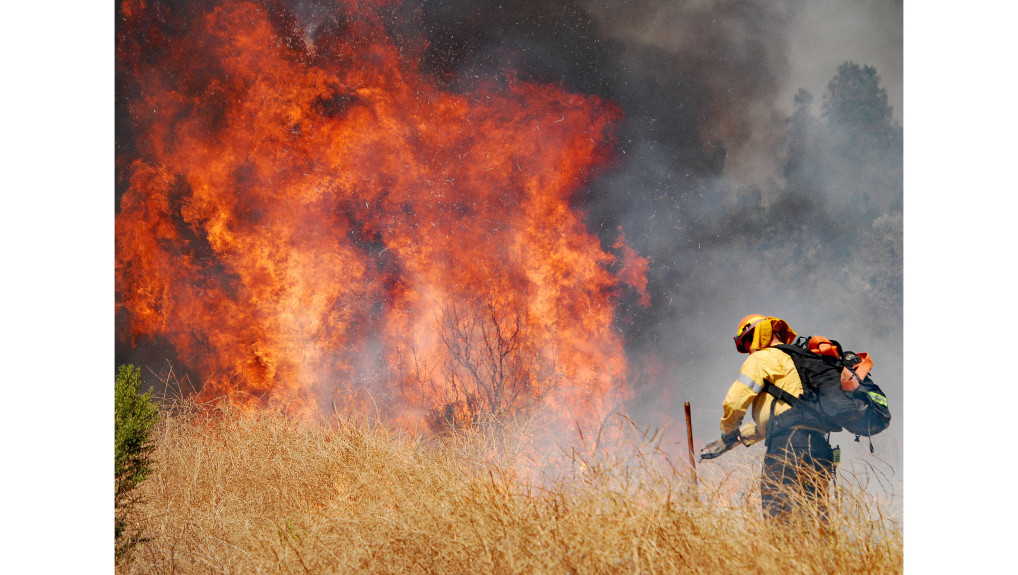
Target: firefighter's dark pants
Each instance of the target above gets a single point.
(797, 469)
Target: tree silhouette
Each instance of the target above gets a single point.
(854, 97)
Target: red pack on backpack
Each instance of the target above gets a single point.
(850, 378)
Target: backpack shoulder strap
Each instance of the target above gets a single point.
(794, 350)
(783, 395)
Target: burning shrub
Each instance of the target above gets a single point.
(489, 366)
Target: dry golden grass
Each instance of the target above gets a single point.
(240, 491)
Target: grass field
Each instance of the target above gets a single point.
(239, 491)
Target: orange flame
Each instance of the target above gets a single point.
(327, 224)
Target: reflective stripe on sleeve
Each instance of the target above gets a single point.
(750, 383)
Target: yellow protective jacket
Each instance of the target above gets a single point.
(766, 365)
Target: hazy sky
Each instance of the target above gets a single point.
(826, 33)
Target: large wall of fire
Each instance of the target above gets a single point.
(320, 223)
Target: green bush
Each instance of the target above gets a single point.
(135, 415)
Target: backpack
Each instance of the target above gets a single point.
(823, 365)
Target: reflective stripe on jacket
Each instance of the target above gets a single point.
(768, 364)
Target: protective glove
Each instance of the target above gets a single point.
(748, 434)
(716, 448)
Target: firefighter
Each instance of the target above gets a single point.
(798, 460)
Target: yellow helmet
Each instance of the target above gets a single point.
(756, 331)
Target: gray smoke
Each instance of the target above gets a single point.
(755, 185)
